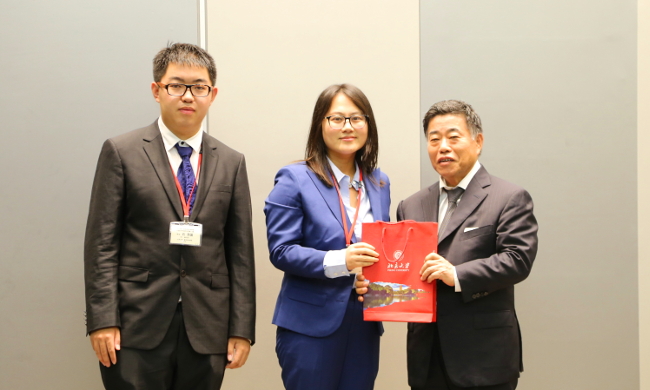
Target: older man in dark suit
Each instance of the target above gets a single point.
(487, 242)
(169, 265)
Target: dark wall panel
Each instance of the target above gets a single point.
(73, 74)
(555, 85)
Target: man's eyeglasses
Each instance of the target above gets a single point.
(197, 90)
(337, 122)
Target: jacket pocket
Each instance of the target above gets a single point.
(496, 319)
(224, 188)
(220, 281)
(305, 296)
(132, 274)
(489, 229)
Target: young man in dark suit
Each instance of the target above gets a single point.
(169, 265)
(487, 242)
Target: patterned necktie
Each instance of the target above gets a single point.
(185, 174)
(452, 202)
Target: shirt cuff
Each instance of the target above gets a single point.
(334, 264)
(456, 282)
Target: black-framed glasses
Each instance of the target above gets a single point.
(197, 90)
(337, 122)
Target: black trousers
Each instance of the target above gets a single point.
(438, 379)
(172, 365)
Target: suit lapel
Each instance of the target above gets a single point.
(430, 204)
(471, 199)
(206, 175)
(155, 150)
(374, 195)
(329, 195)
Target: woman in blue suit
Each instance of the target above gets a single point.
(313, 218)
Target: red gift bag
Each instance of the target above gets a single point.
(396, 292)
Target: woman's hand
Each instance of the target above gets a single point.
(361, 286)
(360, 254)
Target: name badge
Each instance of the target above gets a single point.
(185, 233)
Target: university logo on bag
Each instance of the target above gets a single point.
(394, 264)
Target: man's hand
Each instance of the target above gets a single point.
(105, 342)
(360, 254)
(437, 267)
(238, 350)
(361, 286)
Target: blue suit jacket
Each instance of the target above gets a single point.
(303, 221)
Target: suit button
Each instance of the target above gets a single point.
(183, 273)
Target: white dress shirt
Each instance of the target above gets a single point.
(334, 261)
(443, 204)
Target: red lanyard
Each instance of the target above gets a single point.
(344, 215)
(186, 203)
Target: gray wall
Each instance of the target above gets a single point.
(555, 85)
(73, 73)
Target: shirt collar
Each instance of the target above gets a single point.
(170, 139)
(340, 176)
(463, 183)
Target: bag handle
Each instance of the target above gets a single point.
(406, 242)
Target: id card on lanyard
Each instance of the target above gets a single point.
(185, 232)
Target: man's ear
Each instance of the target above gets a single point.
(214, 93)
(155, 90)
(479, 142)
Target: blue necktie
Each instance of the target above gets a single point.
(185, 174)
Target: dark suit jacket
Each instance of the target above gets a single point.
(303, 220)
(478, 328)
(134, 277)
